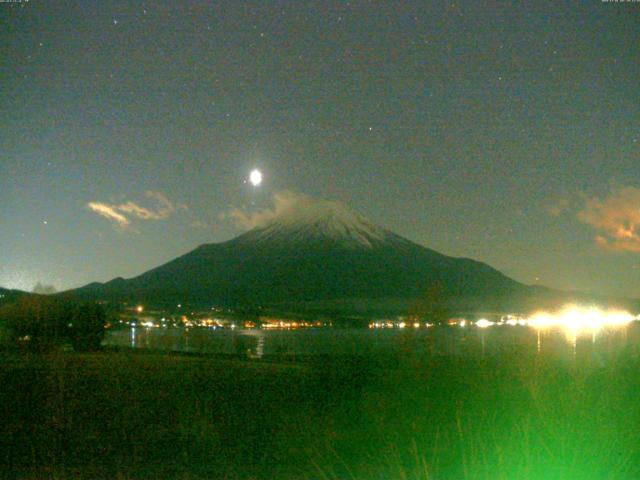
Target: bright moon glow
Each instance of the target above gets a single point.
(255, 177)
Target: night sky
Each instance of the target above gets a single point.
(507, 133)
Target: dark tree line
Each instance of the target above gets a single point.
(43, 323)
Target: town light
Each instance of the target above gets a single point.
(484, 323)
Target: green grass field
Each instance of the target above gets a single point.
(142, 415)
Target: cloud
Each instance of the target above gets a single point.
(616, 219)
(195, 223)
(109, 212)
(284, 203)
(287, 206)
(44, 289)
(138, 211)
(122, 213)
(165, 207)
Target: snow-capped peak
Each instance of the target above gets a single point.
(297, 217)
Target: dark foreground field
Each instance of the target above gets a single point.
(136, 415)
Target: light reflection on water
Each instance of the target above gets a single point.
(256, 343)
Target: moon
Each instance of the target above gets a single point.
(255, 177)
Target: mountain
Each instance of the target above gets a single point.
(8, 296)
(319, 255)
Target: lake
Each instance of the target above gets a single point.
(434, 341)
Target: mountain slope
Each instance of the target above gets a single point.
(311, 251)
(9, 296)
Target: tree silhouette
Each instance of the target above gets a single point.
(86, 328)
(42, 323)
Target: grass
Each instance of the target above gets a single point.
(137, 415)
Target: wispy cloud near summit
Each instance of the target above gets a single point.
(287, 206)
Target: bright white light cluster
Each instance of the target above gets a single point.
(575, 318)
(572, 318)
(484, 323)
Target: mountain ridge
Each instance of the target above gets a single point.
(309, 252)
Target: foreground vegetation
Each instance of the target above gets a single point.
(141, 415)
(40, 323)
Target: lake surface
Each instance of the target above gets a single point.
(439, 340)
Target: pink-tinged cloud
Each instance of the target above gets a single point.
(110, 213)
(123, 213)
(616, 219)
